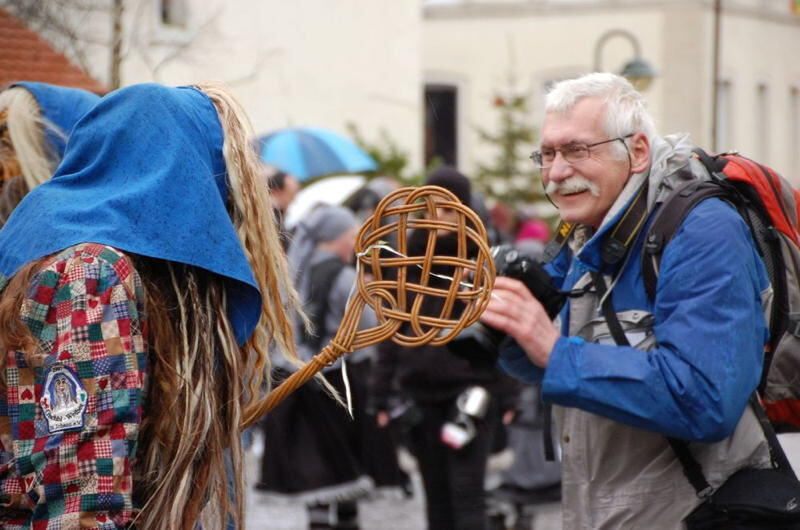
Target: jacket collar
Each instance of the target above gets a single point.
(668, 154)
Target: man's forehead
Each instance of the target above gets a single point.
(582, 123)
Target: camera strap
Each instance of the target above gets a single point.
(617, 243)
(554, 246)
(690, 465)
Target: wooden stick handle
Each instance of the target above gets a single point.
(326, 357)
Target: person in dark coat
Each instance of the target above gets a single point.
(317, 454)
(452, 462)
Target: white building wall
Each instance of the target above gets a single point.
(481, 51)
(760, 51)
(298, 62)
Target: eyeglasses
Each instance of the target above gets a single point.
(573, 153)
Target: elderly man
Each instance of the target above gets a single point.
(695, 349)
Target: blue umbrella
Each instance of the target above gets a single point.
(308, 152)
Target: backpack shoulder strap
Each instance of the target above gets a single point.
(667, 221)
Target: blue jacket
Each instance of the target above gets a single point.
(709, 330)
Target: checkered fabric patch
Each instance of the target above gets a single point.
(84, 307)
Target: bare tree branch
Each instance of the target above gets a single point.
(64, 23)
(181, 49)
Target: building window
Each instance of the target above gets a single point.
(762, 122)
(724, 117)
(441, 123)
(173, 13)
(794, 130)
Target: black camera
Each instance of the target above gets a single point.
(480, 340)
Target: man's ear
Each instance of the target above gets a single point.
(639, 148)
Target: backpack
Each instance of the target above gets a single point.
(771, 208)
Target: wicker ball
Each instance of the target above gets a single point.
(395, 283)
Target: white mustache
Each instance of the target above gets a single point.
(572, 185)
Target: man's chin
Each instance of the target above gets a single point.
(574, 213)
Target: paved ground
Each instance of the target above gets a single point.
(375, 514)
(791, 446)
(393, 514)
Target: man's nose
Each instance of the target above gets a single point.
(560, 169)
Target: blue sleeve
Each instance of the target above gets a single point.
(710, 332)
(514, 361)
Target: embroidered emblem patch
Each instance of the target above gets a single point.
(63, 400)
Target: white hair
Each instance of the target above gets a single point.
(626, 109)
(26, 128)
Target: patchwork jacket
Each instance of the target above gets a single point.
(70, 412)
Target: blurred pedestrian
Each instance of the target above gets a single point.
(283, 188)
(451, 444)
(312, 444)
(35, 121)
(504, 223)
(531, 238)
(531, 479)
(145, 283)
(365, 199)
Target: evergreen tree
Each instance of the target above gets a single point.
(511, 176)
(391, 159)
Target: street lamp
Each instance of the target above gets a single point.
(638, 71)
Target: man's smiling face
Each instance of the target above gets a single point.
(583, 191)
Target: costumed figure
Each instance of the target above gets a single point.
(148, 271)
(35, 121)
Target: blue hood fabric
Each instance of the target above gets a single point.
(143, 172)
(62, 107)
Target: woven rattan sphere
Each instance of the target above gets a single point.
(395, 282)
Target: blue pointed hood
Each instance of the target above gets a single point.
(62, 107)
(143, 172)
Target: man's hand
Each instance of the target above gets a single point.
(513, 310)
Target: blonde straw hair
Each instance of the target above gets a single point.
(202, 383)
(26, 128)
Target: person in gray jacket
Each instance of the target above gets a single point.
(317, 454)
(695, 353)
